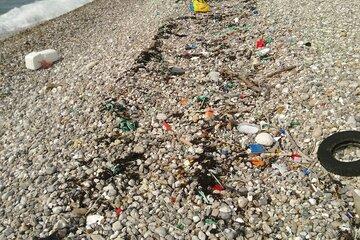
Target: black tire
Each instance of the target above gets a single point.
(332, 143)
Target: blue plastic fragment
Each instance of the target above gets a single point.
(306, 171)
(282, 132)
(257, 148)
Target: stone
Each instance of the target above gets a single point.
(214, 76)
(356, 196)
(201, 235)
(196, 219)
(161, 231)
(117, 226)
(161, 117)
(57, 209)
(50, 170)
(248, 128)
(96, 237)
(242, 202)
(139, 149)
(265, 139)
(60, 224)
(177, 71)
(312, 201)
(351, 121)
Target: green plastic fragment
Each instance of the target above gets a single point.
(229, 85)
(113, 106)
(180, 226)
(269, 40)
(294, 123)
(202, 194)
(202, 98)
(210, 221)
(127, 125)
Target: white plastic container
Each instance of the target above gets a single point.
(34, 60)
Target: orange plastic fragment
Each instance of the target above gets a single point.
(257, 161)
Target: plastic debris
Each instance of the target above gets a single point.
(257, 161)
(199, 6)
(229, 85)
(93, 219)
(43, 59)
(209, 113)
(166, 126)
(180, 226)
(263, 52)
(264, 139)
(268, 40)
(202, 194)
(118, 211)
(306, 171)
(217, 187)
(294, 123)
(113, 106)
(248, 128)
(210, 221)
(256, 148)
(296, 157)
(260, 43)
(127, 125)
(281, 167)
(203, 98)
(190, 46)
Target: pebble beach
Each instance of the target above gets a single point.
(138, 131)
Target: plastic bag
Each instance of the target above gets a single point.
(199, 6)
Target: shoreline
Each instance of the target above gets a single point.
(42, 24)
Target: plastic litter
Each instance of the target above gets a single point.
(217, 187)
(257, 161)
(248, 128)
(260, 43)
(93, 219)
(281, 167)
(199, 6)
(210, 221)
(256, 148)
(118, 211)
(209, 113)
(268, 40)
(263, 52)
(43, 59)
(127, 125)
(166, 126)
(306, 171)
(190, 46)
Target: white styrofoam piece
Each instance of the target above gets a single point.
(33, 60)
(50, 55)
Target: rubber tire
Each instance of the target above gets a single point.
(327, 148)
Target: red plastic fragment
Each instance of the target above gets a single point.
(166, 126)
(260, 43)
(217, 187)
(118, 211)
(296, 157)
